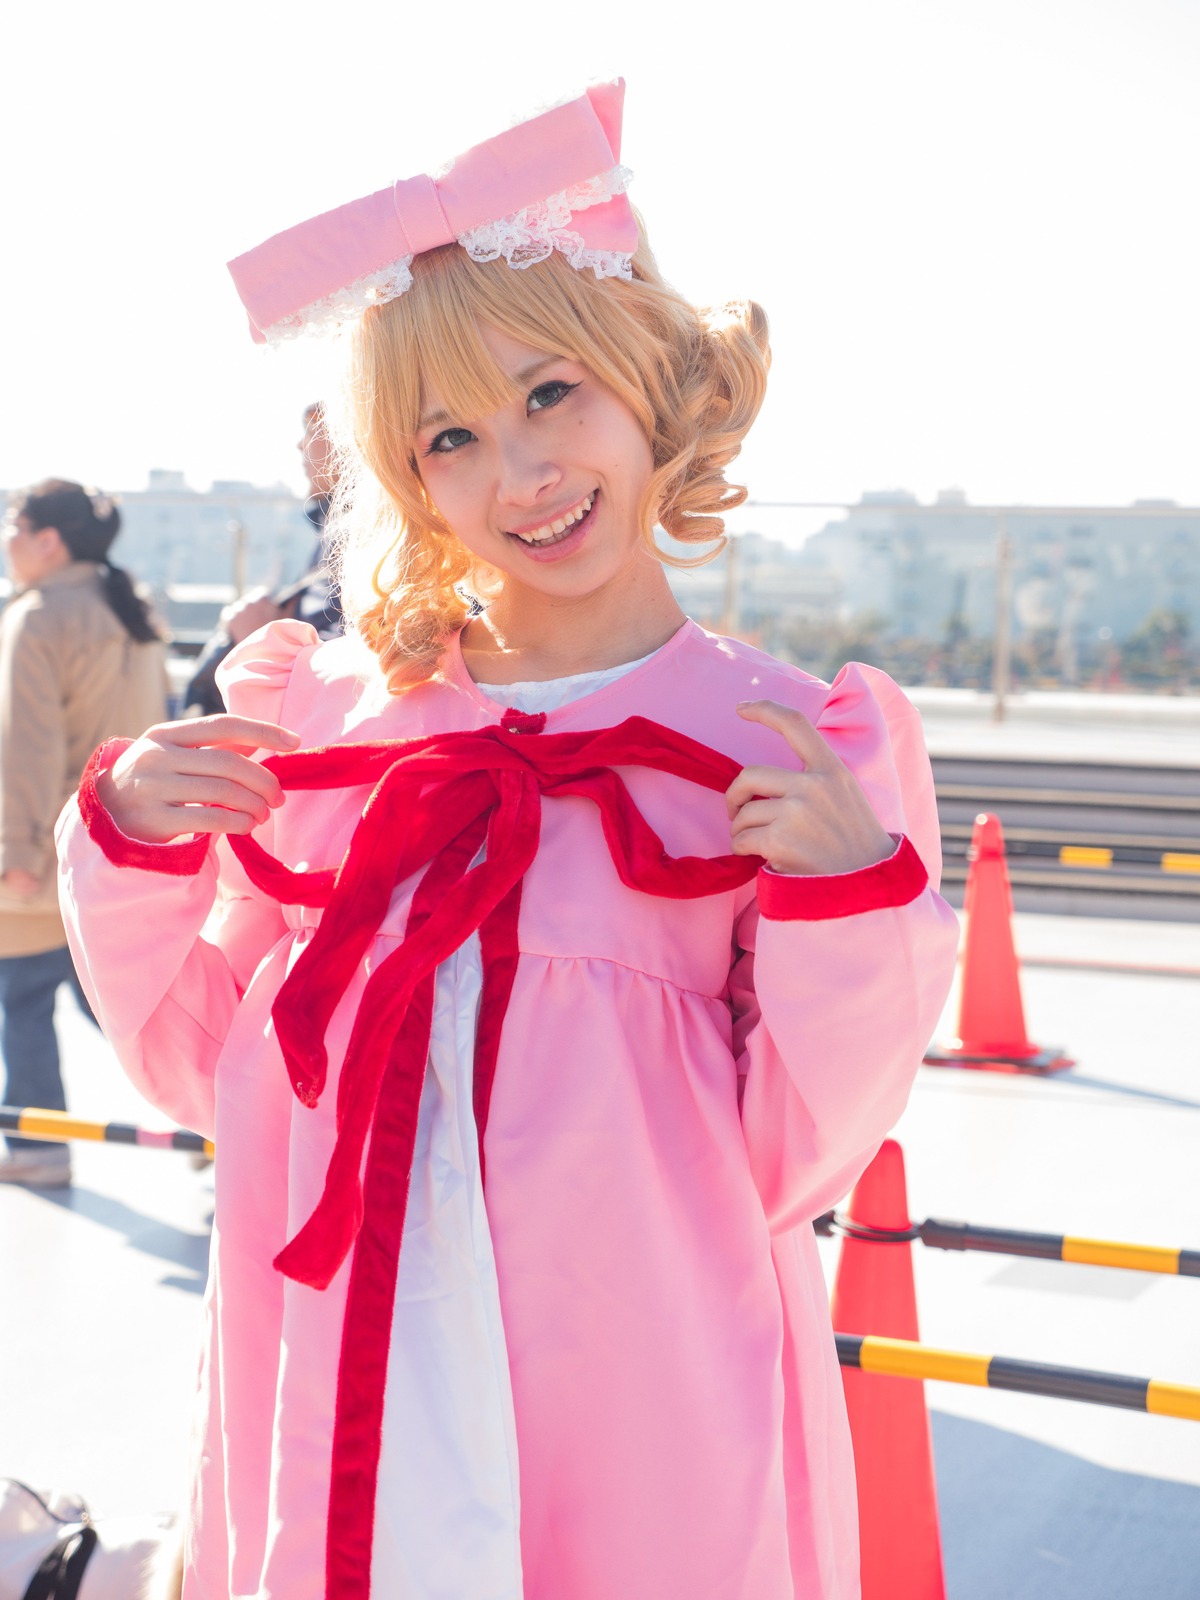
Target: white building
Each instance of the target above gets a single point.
(229, 536)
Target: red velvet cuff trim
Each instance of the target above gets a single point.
(783, 897)
(182, 859)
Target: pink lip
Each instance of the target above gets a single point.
(564, 547)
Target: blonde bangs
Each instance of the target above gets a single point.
(436, 328)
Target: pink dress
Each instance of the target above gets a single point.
(680, 1086)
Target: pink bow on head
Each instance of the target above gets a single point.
(552, 183)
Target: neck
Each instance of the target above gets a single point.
(527, 637)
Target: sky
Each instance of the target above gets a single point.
(974, 226)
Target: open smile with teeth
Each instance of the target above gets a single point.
(552, 532)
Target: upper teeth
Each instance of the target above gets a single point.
(560, 524)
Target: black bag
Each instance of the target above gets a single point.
(61, 1573)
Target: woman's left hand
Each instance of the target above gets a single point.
(816, 821)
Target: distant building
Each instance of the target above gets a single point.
(929, 572)
(925, 568)
(172, 534)
(770, 583)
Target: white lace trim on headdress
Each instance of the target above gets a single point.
(525, 237)
(332, 313)
(529, 235)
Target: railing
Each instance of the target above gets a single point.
(1109, 830)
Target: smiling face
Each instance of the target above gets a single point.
(546, 489)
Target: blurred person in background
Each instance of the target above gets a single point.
(311, 598)
(81, 661)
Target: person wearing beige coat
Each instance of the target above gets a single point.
(81, 661)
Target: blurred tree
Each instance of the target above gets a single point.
(1159, 652)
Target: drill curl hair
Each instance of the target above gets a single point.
(694, 379)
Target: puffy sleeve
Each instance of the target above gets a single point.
(838, 981)
(165, 938)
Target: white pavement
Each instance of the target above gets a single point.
(1041, 725)
(100, 1300)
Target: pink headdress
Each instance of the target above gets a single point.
(552, 183)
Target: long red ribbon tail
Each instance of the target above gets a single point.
(370, 1304)
(400, 831)
(370, 1300)
(309, 994)
(316, 1252)
(362, 1378)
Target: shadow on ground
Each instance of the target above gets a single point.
(1024, 1521)
(147, 1234)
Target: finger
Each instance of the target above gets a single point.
(770, 782)
(225, 730)
(750, 842)
(218, 765)
(210, 791)
(757, 814)
(794, 726)
(158, 771)
(208, 819)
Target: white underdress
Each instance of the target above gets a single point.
(447, 1505)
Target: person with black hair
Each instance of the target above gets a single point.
(81, 661)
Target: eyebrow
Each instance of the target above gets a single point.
(434, 418)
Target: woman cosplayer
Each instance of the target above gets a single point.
(540, 963)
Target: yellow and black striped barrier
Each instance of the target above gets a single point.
(1153, 854)
(32, 1123)
(1086, 855)
(1014, 1242)
(900, 1358)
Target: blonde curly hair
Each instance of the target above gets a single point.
(694, 379)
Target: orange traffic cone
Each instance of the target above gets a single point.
(991, 1016)
(873, 1293)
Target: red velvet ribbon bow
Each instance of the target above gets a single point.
(434, 803)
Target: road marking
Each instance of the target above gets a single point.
(1083, 855)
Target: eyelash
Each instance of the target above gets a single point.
(554, 383)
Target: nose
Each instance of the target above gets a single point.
(524, 472)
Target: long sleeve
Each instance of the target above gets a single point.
(166, 954)
(838, 982)
(33, 742)
(163, 960)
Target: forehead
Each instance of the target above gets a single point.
(515, 364)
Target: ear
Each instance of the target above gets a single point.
(52, 548)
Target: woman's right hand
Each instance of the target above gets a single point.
(190, 777)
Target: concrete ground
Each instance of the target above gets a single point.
(100, 1286)
(1043, 725)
